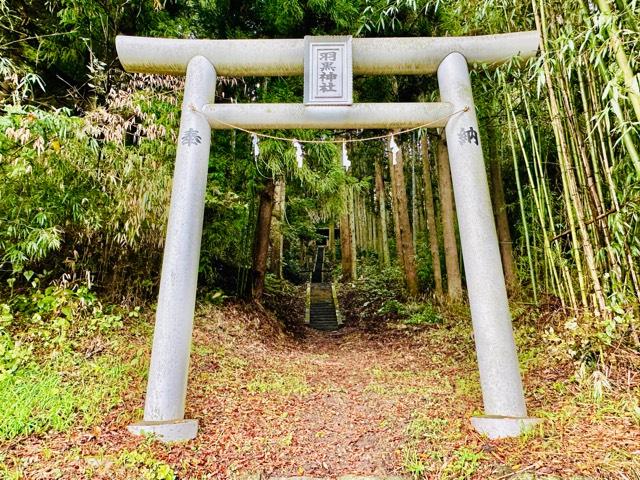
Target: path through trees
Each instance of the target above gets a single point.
(318, 404)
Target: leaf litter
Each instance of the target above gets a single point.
(393, 401)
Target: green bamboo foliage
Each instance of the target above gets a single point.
(573, 130)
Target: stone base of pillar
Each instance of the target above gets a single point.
(169, 431)
(495, 427)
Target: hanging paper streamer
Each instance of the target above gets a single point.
(256, 147)
(346, 163)
(394, 150)
(298, 148)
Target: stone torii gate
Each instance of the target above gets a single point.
(328, 64)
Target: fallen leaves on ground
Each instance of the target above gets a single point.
(385, 402)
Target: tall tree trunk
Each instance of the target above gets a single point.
(346, 249)
(358, 218)
(352, 205)
(394, 210)
(354, 244)
(414, 203)
(331, 243)
(277, 239)
(374, 232)
(404, 228)
(261, 243)
(365, 224)
(454, 280)
(380, 194)
(431, 216)
(370, 226)
(500, 213)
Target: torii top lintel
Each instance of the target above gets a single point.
(284, 57)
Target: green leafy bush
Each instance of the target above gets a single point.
(392, 306)
(421, 314)
(46, 331)
(13, 354)
(47, 322)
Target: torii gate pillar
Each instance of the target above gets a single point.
(169, 369)
(502, 393)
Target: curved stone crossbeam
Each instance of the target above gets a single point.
(285, 57)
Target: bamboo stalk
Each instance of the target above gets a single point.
(538, 183)
(630, 79)
(523, 215)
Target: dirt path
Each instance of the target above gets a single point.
(334, 403)
(396, 402)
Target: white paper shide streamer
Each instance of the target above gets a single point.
(346, 163)
(256, 145)
(299, 154)
(394, 150)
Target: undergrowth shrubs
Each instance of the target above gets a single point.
(375, 298)
(80, 184)
(52, 375)
(285, 300)
(421, 314)
(47, 322)
(378, 296)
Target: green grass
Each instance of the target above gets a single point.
(391, 382)
(7, 473)
(226, 370)
(390, 389)
(141, 464)
(424, 427)
(412, 463)
(463, 465)
(36, 400)
(282, 384)
(467, 386)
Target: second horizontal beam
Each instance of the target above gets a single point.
(266, 116)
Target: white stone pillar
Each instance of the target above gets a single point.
(505, 410)
(168, 372)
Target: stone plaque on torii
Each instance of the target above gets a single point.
(328, 72)
(328, 64)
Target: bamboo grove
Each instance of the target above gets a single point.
(572, 128)
(561, 137)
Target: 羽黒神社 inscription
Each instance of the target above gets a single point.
(328, 71)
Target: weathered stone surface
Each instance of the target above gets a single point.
(503, 427)
(172, 431)
(283, 57)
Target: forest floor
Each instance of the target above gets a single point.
(390, 401)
